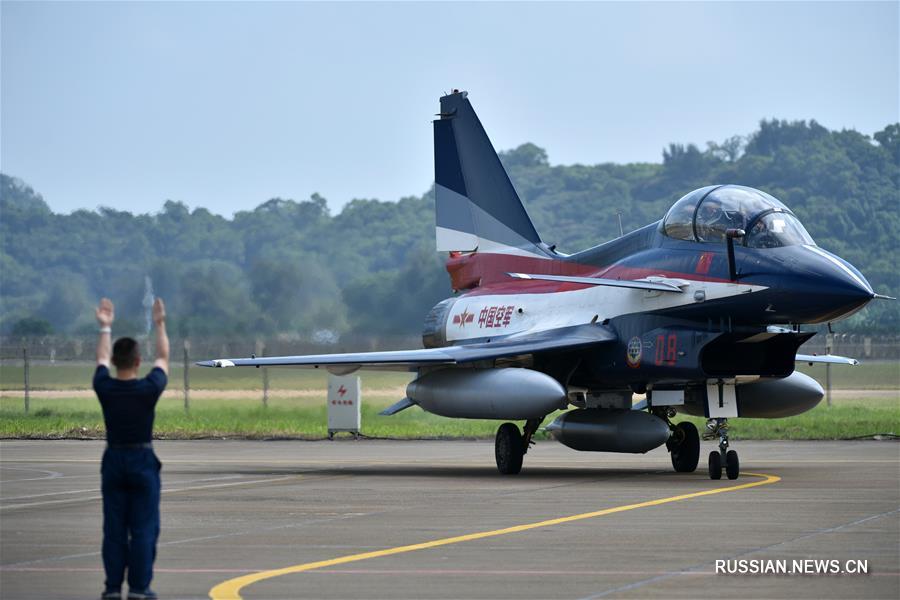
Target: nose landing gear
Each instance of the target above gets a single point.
(718, 428)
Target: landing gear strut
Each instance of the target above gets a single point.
(510, 446)
(718, 428)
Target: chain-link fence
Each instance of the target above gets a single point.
(54, 365)
(855, 345)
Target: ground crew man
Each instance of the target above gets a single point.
(130, 469)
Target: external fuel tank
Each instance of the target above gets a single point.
(609, 430)
(511, 394)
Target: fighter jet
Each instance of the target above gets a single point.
(701, 312)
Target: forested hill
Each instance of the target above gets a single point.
(293, 268)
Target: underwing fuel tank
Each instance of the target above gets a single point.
(511, 393)
(605, 430)
(777, 398)
(765, 398)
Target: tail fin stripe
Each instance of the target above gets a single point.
(465, 227)
(453, 210)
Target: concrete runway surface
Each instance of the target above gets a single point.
(395, 519)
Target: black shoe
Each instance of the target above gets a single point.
(111, 595)
(147, 594)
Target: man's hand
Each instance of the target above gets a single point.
(106, 312)
(159, 311)
(105, 316)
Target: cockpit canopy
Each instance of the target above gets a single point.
(705, 214)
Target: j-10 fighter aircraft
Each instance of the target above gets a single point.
(701, 311)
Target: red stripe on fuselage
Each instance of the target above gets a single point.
(495, 281)
(468, 271)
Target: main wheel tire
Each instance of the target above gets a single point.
(685, 451)
(509, 449)
(732, 465)
(715, 465)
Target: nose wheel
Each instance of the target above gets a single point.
(718, 428)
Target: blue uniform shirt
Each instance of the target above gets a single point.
(128, 406)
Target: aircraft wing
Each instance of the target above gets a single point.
(561, 339)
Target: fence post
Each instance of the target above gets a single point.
(187, 377)
(260, 352)
(27, 379)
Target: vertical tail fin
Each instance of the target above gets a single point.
(476, 206)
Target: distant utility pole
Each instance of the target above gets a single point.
(187, 377)
(27, 378)
(621, 229)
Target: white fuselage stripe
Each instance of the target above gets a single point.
(538, 312)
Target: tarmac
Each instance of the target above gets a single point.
(433, 519)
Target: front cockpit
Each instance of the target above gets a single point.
(704, 215)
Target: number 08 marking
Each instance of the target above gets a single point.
(666, 349)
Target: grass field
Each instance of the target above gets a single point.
(306, 417)
(227, 403)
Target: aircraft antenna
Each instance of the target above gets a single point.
(619, 216)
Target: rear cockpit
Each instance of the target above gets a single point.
(704, 215)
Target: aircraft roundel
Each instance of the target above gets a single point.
(634, 352)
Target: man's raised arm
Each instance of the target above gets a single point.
(162, 339)
(105, 316)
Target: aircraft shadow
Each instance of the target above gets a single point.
(474, 472)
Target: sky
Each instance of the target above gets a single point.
(224, 105)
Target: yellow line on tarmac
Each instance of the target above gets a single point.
(231, 589)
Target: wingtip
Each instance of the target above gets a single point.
(220, 363)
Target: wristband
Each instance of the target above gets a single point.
(106, 329)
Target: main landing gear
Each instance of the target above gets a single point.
(684, 443)
(684, 447)
(718, 428)
(510, 446)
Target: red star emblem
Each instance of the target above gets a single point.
(464, 317)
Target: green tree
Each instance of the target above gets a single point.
(32, 326)
(889, 138)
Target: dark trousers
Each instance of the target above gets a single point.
(130, 515)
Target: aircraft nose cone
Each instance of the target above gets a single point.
(843, 277)
(839, 288)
